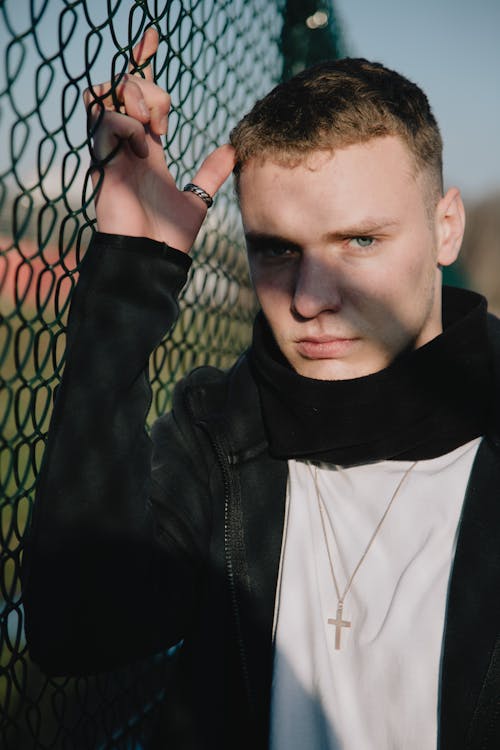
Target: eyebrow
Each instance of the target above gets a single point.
(365, 227)
(262, 238)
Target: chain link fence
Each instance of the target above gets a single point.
(215, 58)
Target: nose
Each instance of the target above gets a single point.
(316, 289)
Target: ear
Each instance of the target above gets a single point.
(450, 226)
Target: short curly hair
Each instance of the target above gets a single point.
(335, 104)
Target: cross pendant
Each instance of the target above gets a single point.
(339, 624)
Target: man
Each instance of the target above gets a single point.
(320, 524)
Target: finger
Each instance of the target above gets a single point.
(100, 95)
(128, 93)
(143, 51)
(216, 169)
(159, 116)
(143, 100)
(147, 100)
(116, 128)
(131, 95)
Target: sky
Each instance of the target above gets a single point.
(451, 48)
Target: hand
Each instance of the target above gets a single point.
(138, 195)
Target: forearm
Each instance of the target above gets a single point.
(90, 554)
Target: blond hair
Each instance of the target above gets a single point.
(336, 104)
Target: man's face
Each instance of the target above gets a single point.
(344, 257)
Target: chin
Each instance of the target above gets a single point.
(338, 369)
(328, 372)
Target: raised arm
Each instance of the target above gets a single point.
(138, 196)
(106, 578)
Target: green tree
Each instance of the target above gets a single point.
(310, 34)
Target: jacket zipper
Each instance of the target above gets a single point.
(224, 463)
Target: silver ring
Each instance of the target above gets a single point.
(197, 190)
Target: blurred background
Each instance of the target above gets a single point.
(216, 57)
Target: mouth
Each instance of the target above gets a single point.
(325, 347)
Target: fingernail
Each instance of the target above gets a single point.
(143, 109)
(163, 125)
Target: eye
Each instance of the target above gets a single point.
(279, 251)
(272, 251)
(362, 241)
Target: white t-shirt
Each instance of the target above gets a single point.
(380, 690)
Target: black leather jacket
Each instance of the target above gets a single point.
(123, 561)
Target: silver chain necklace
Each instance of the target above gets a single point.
(338, 621)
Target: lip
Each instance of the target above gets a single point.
(323, 347)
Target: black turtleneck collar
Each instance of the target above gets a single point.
(424, 404)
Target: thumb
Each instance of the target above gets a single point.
(216, 169)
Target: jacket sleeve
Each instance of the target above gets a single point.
(112, 560)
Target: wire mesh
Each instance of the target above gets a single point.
(216, 57)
